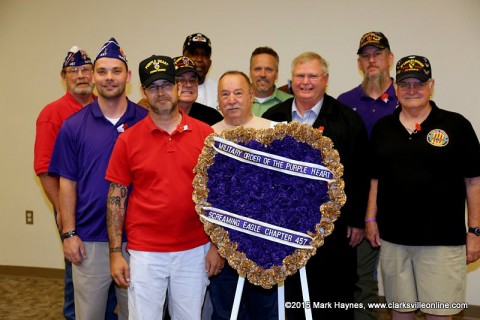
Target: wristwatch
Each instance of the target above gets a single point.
(474, 230)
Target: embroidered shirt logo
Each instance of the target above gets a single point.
(437, 138)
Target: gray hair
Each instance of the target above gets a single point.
(310, 56)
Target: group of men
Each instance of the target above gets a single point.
(115, 171)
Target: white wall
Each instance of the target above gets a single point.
(35, 36)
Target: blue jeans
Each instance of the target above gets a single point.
(68, 300)
(257, 303)
(111, 304)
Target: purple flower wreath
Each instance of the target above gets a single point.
(305, 205)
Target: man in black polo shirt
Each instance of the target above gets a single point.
(426, 164)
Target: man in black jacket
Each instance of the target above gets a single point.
(331, 273)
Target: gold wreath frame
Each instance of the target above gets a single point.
(330, 211)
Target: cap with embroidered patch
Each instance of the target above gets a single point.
(184, 64)
(413, 66)
(373, 38)
(156, 68)
(197, 40)
(111, 49)
(76, 57)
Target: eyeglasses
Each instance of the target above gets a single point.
(155, 88)
(185, 82)
(405, 86)
(84, 70)
(311, 76)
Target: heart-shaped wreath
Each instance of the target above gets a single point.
(268, 197)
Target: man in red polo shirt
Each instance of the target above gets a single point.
(166, 241)
(77, 72)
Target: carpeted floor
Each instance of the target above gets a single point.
(30, 298)
(23, 297)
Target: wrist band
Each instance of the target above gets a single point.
(370, 220)
(69, 234)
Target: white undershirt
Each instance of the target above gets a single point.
(261, 100)
(113, 120)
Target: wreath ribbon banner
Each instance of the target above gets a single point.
(271, 161)
(257, 228)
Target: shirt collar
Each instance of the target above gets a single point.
(316, 108)
(129, 112)
(184, 125)
(273, 96)
(390, 91)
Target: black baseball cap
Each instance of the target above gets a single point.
(197, 40)
(413, 66)
(373, 38)
(156, 68)
(184, 64)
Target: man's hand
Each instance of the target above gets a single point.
(373, 235)
(473, 248)
(213, 261)
(356, 235)
(119, 269)
(74, 250)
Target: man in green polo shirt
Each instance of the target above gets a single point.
(263, 73)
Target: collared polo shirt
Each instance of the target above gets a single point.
(49, 122)
(158, 166)
(258, 108)
(81, 154)
(370, 110)
(421, 187)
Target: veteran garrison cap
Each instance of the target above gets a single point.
(156, 68)
(111, 49)
(76, 56)
(413, 67)
(373, 38)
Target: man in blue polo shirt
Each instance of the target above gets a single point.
(80, 158)
(373, 99)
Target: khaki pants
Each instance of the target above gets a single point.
(91, 281)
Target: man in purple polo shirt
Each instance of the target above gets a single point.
(80, 158)
(373, 99)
